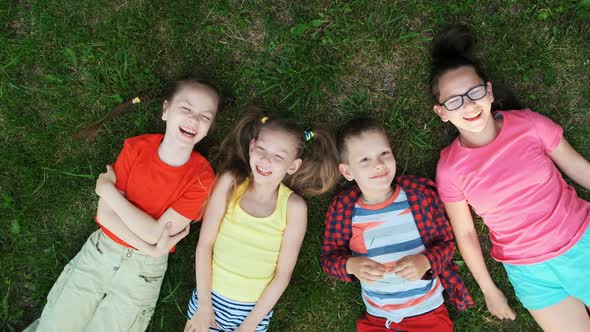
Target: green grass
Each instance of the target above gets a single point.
(64, 64)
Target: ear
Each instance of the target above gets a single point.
(294, 166)
(441, 112)
(345, 171)
(164, 109)
(490, 91)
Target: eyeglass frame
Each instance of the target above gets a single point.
(466, 94)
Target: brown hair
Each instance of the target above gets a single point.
(354, 128)
(89, 132)
(319, 168)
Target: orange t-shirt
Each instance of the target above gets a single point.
(153, 186)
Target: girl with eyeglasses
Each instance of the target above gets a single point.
(505, 166)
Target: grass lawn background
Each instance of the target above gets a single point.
(64, 64)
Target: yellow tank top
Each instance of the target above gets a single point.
(247, 248)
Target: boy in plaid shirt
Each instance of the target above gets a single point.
(392, 235)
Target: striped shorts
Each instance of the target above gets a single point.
(229, 314)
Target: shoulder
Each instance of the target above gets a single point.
(144, 140)
(447, 161)
(524, 115)
(296, 202)
(201, 163)
(416, 183)
(346, 197)
(296, 212)
(225, 180)
(448, 153)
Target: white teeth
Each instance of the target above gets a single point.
(261, 170)
(472, 117)
(188, 131)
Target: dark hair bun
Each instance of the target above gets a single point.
(454, 42)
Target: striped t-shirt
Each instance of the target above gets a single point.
(385, 233)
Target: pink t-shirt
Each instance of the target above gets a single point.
(512, 183)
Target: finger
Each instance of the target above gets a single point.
(408, 275)
(400, 265)
(374, 273)
(374, 266)
(372, 277)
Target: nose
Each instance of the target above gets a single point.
(378, 163)
(467, 102)
(195, 118)
(267, 157)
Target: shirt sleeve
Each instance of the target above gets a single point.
(548, 132)
(192, 201)
(335, 251)
(448, 189)
(122, 166)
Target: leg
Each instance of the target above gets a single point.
(134, 289)
(76, 293)
(568, 315)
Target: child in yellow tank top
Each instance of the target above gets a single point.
(255, 222)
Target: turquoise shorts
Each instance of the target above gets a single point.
(544, 284)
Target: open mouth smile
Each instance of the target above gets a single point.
(188, 131)
(473, 117)
(262, 172)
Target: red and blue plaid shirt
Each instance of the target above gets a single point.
(434, 229)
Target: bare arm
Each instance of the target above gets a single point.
(573, 164)
(136, 220)
(109, 219)
(203, 317)
(292, 239)
(468, 242)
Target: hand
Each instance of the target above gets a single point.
(203, 318)
(411, 267)
(105, 180)
(166, 242)
(365, 269)
(497, 304)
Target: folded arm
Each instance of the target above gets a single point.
(136, 220)
(109, 219)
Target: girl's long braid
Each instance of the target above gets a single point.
(90, 131)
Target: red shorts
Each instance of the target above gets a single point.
(435, 320)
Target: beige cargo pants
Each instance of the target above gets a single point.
(106, 287)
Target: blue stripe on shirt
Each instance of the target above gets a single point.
(399, 295)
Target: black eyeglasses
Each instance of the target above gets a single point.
(475, 93)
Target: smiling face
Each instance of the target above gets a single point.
(273, 155)
(474, 115)
(189, 114)
(370, 162)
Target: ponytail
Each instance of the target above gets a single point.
(319, 170)
(453, 48)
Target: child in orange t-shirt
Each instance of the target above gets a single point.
(157, 186)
